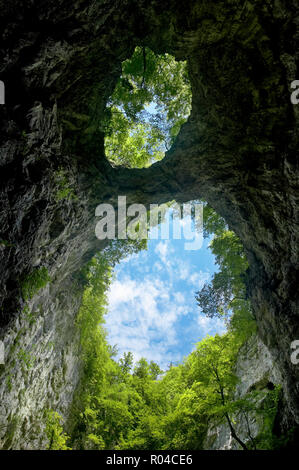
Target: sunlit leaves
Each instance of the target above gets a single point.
(135, 145)
(136, 406)
(215, 299)
(225, 296)
(57, 438)
(151, 101)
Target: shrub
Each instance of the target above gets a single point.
(34, 281)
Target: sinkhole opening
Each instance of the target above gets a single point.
(161, 328)
(168, 293)
(159, 296)
(151, 101)
(163, 317)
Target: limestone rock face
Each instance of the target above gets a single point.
(42, 369)
(238, 150)
(256, 369)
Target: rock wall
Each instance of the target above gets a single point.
(256, 370)
(238, 150)
(42, 367)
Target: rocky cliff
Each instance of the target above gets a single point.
(256, 370)
(59, 62)
(42, 368)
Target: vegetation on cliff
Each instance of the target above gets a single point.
(151, 101)
(122, 405)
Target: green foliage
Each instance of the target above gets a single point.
(110, 397)
(266, 439)
(154, 370)
(9, 382)
(99, 398)
(205, 388)
(213, 223)
(134, 145)
(11, 429)
(30, 316)
(126, 362)
(64, 189)
(91, 318)
(54, 431)
(216, 299)
(135, 136)
(127, 405)
(26, 358)
(35, 281)
(5, 244)
(120, 249)
(225, 295)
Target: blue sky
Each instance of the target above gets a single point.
(152, 308)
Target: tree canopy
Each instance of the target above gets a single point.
(132, 404)
(151, 100)
(225, 295)
(127, 404)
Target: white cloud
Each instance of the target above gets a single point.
(162, 250)
(183, 271)
(158, 266)
(179, 297)
(198, 279)
(208, 325)
(142, 316)
(152, 309)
